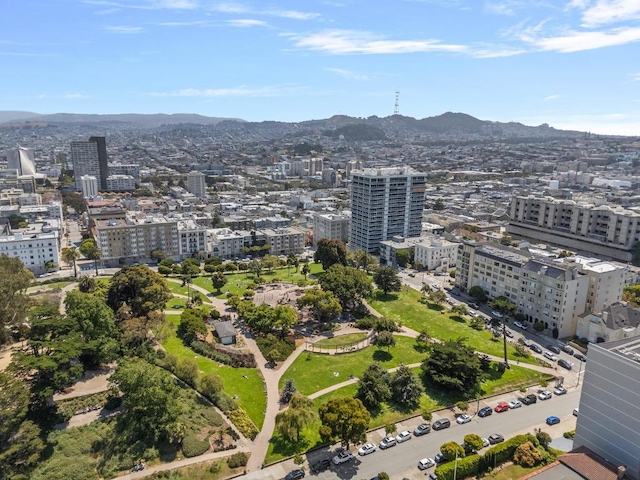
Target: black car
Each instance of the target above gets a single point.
(581, 357)
(321, 465)
(422, 429)
(567, 349)
(485, 412)
(495, 438)
(554, 349)
(535, 348)
(565, 364)
(529, 399)
(294, 475)
(441, 424)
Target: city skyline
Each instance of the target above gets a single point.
(566, 63)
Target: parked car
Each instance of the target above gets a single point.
(535, 348)
(575, 412)
(426, 463)
(485, 442)
(529, 399)
(474, 305)
(501, 407)
(519, 325)
(515, 404)
(485, 412)
(422, 429)
(403, 436)
(387, 442)
(560, 390)
(366, 449)
(321, 465)
(552, 420)
(462, 419)
(565, 364)
(581, 357)
(544, 395)
(432, 476)
(439, 458)
(342, 457)
(550, 356)
(294, 475)
(554, 349)
(441, 424)
(495, 438)
(496, 314)
(567, 349)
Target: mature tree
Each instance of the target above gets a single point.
(305, 270)
(150, 399)
(387, 279)
(330, 252)
(189, 268)
(631, 294)
(345, 419)
(385, 339)
(438, 297)
(364, 260)
(75, 201)
(423, 338)
(95, 322)
(459, 309)
(210, 386)
(543, 437)
(270, 262)
(288, 389)
(86, 284)
(255, 267)
(373, 386)
(503, 305)
(70, 256)
(283, 317)
(89, 248)
(403, 258)
(292, 261)
(453, 366)
(218, 280)
(473, 442)
(478, 293)
(134, 331)
(426, 289)
(20, 454)
(451, 450)
(348, 284)
(527, 455)
(14, 302)
(158, 255)
(192, 325)
(406, 387)
(323, 303)
(142, 289)
(187, 370)
(385, 324)
(299, 414)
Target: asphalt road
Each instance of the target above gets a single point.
(402, 460)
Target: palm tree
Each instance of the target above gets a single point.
(69, 256)
(94, 253)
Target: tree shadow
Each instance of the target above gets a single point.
(288, 448)
(382, 356)
(385, 297)
(421, 347)
(457, 318)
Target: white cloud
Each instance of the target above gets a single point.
(495, 52)
(76, 96)
(576, 41)
(247, 22)
(504, 8)
(610, 11)
(185, 24)
(146, 4)
(635, 77)
(580, 4)
(551, 97)
(238, 8)
(348, 74)
(122, 29)
(241, 91)
(344, 42)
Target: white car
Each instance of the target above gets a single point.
(366, 449)
(560, 390)
(403, 436)
(544, 395)
(387, 442)
(342, 457)
(575, 412)
(496, 314)
(464, 418)
(485, 442)
(426, 463)
(515, 404)
(550, 356)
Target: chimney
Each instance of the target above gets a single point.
(622, 471)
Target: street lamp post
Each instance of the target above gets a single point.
(455, 467)
(504, 338)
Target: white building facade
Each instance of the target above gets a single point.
(34, 250)
(331, 226)
(89, 186)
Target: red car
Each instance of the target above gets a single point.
(501, 407)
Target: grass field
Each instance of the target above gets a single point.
(405, 307)
(315, 372)
(46, 286)
(510, 472)
(341, 340)
(177, 288)
(250, 390)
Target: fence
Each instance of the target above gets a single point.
(341, 348)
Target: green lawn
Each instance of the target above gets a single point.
(43, 286)
(405, 307)
(341, 340)
(250, 391)
(511, 472)
(315, 372)
(177, 288)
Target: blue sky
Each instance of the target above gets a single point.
(571, 63)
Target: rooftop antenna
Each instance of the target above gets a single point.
(396, 108)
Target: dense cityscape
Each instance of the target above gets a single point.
(187, 297)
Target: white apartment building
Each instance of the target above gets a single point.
(196, 184)
(125, 169)
(33, 249)
(129, 240)
(436, 253)
(616, 322)
(284, 241)
(332, 226)
(227, 244)
(385, 203)
(193, 238)
(89, 186)
(602, 230)
(606, 282)
(547, 292)
(121, 183)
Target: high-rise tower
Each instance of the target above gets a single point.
(90, 158)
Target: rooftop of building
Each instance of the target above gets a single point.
(628, 348)
(617, 209)
(501, 252)
(387, 172)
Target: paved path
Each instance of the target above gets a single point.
(93, 381)
(64, 291)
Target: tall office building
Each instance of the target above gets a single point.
(196, 184)
(90, 158)
(385, 203)
(22, 160)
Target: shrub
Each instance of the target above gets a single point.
(383, 476)
(527, 455)
(212, 417)
(504, 451)
(270, 342)
(228, 357)
(538, 326)
(192, 447)
(466, 467)
(366, 323)
(226, 403)
(569, 434)
(384, 324)
(243, 423)
(477, 323)
(236, 460)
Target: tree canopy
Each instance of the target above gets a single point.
(406, 388)
(324, 305)
(330, 252)
(142, 289)
(387, 280)
(453, 366)
(14, 302)
(345, 419)
(348, 284)
(373, 386)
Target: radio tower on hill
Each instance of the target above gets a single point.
(396, 108)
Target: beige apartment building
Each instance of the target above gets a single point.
(602, 230)
(284, 241)
(331, 226)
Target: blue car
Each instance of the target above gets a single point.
(552, 420)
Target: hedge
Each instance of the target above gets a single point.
(192, 447)
(504, 451)
(236, 460)
(467, 467)
(235, 359)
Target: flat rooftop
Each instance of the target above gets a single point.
(627, 347)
